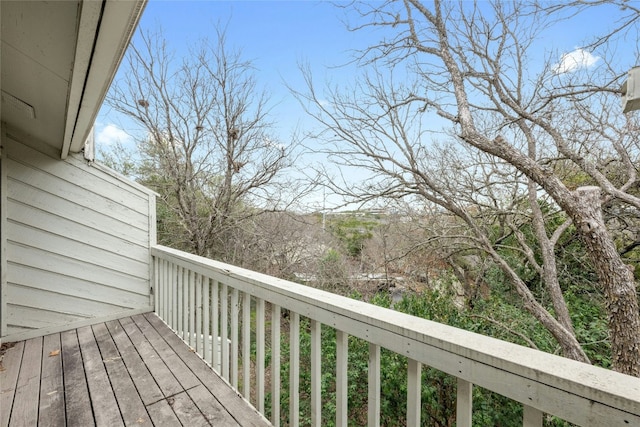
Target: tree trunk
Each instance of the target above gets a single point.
(617, 281)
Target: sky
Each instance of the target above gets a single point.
(278, 35)
(275, 35)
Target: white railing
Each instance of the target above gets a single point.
(199, 297)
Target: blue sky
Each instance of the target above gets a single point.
(277, 35)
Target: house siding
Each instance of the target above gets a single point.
(77, 239)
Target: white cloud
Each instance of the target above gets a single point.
(110, 134)
(574, 61)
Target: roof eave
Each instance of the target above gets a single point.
(104, 31)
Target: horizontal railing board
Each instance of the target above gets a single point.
(589, 395)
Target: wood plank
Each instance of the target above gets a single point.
(168, 384)
(316, 373)
(275, 364)
(66, 175)
(25, 403)
(464, 407)
(531, 417)
(51, 384)
(103, 400)
(61, 245)
(65, 285)
(414, 394)
(64, 266)
(43, 299)
(129, 401)
(342, 369)
(27, 318)
(229, 399)
(162, 414)
(9, 379)
(182, 373)
(374, 386)
(147, 387)
(3, 242)
(211, 408)
(76, 391)
(25, 193)
(187, 411)
(294, 369)
(99, 237)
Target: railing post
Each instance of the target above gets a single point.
(185, 305)
(167, 291)
(216, 352)
(316, 386)
(173, 271)
(374, 386)
(342, 390)
(246, 345)
(179, 302)
(198, 309)
(260, 354)
(275, 365)
(414, 389)
(192, 308)
(294, 369)
(531, 417)
(224, 330)
(206, 322)
(464, 406)
(157, 286)
(235, 342)
(163, 290)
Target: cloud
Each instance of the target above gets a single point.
(574, 61)
(110, 134)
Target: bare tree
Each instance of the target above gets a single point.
(512, 125)
(207, 147)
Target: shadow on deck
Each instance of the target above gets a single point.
(131, 371)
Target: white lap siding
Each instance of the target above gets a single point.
(77, 239)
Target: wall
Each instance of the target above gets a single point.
(77, 240)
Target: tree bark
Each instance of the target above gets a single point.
(617, 281)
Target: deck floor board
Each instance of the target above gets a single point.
(25, 404)
(103, 399)
(9, 378)
(133, 371)
(131, 406)
(229, 399)
(78, 411)
(51, 384)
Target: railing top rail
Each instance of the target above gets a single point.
(574, 391)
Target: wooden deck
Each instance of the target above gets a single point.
(132, 371)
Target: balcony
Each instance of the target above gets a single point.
(203, 299)
(136, 371)
(81, 274)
